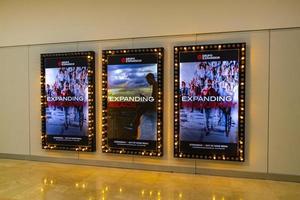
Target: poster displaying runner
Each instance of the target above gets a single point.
(209, 101)
(133, 105)
(67, 101)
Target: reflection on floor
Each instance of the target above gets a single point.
(30, 180)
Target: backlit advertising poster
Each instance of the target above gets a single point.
(132, 101)
(67, 101)
(209, 101)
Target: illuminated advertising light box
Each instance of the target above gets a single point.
(67, 101)
(209, 101)
(132, 98)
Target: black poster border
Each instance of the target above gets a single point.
(89, 142)
(106, 148)
(240, 151)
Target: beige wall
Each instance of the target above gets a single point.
(42, 21)
(272, 139)
(285, 102)
(14, 100)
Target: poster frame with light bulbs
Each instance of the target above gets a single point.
(68, 101)
(210, 123)
(125, 129)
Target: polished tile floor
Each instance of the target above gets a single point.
(30, 180)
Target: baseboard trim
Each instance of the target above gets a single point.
(160, 168)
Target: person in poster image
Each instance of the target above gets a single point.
(146, 113)
(208, 91)
(79, 91)
(152, 82)
(184, 91)
(65, 93)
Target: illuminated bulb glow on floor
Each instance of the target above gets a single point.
(30, 180)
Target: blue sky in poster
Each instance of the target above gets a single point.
(130, 75)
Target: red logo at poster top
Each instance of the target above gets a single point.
(199, 57)
(123, 60)
(65, 63)
(130, 60)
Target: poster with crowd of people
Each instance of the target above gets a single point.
(66, 97)
(132, 98)
(208, 89)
